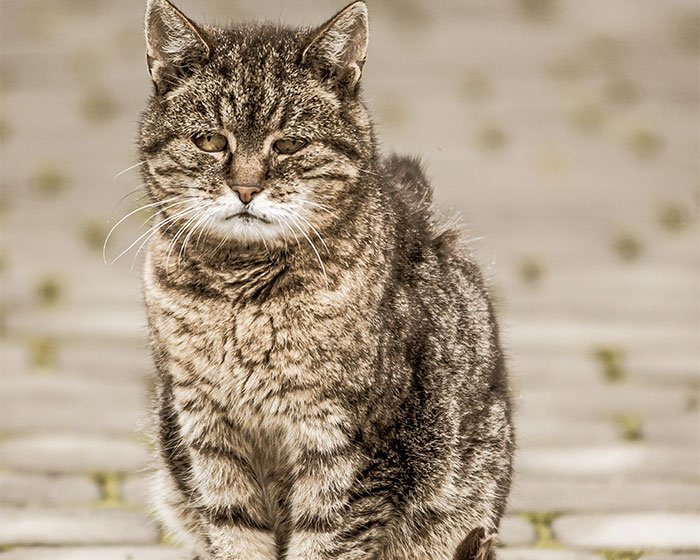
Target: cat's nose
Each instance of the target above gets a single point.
(246, 194)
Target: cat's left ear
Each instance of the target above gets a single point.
(339, 47)
(175, 45)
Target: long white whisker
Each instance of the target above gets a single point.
(201, 231)
(152, 229)
(202, 218)
(168, 207)
(319, 206)
(104, 245)
(134, 191)
(296, 214)
(318, 256)
(177, 236)
(128, 169)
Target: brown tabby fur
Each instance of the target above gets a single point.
(330, 379)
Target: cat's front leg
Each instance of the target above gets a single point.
(221, 489)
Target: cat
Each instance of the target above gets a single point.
(330, 382)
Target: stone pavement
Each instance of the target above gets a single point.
(565, 133)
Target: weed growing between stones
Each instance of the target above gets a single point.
(531, 270)
(621, 554)
(49, 291)
(644, 143)
(491, 137)
(542, 523)
(98, 106)
(42, 352)
(611, 363)
(629, 426)
(93, 234)
(674, 218)
(109, 485)
(538, 10)
(628, 247)
(49, 180)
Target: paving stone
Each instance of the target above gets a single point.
(536, 429)
(136, 490)
(614, 495)
(516, 531)
(80, 323)
(96, 553)
(604, 400)
(542, 554)
(681, 428)
(37, 526)
(66, 401)
(66, 453)
(672, 557)
(111, 360)
(638, 461)
(630, 531)
(43, 490)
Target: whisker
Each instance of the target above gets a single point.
(116, 205)
(318, 256)
(177, 236)
(202, 218)
(296, 214)
(128, 169)
(104, 245)
(207, 224)
(152, 230)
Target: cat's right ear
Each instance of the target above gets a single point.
(338, 49)
(175, 45)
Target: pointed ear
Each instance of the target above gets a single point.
(339, 47)
(175, 45)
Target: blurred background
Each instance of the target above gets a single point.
(565, 134)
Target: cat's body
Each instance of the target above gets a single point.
(343, 399)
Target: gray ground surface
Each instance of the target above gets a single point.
(565, 133)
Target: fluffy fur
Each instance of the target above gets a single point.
(330, 380)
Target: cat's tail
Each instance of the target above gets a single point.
(477, 546)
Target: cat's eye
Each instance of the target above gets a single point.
(287, 146)
(210, 142)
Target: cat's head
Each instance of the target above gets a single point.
(255, 133)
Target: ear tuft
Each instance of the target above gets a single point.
(175, 45)
(339, 47)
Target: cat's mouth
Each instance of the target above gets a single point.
(247, 217)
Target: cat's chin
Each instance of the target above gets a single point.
(248, 229)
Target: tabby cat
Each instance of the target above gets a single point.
(330, 380)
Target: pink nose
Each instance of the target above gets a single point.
(246, 194)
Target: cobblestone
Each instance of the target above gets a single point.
(35, 526)
(515, 531)
(95, 553)
(65, 402)
(543, 554)
(135, 490)
(590, 462)
(43, 490)
(613, 495)
(630, 531)
(60, 453)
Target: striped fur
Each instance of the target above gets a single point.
(330, 379)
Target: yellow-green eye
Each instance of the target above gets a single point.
(288, 146)
(210, 142)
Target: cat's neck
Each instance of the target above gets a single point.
(304, 264)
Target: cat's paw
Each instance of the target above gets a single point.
(477, 546)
